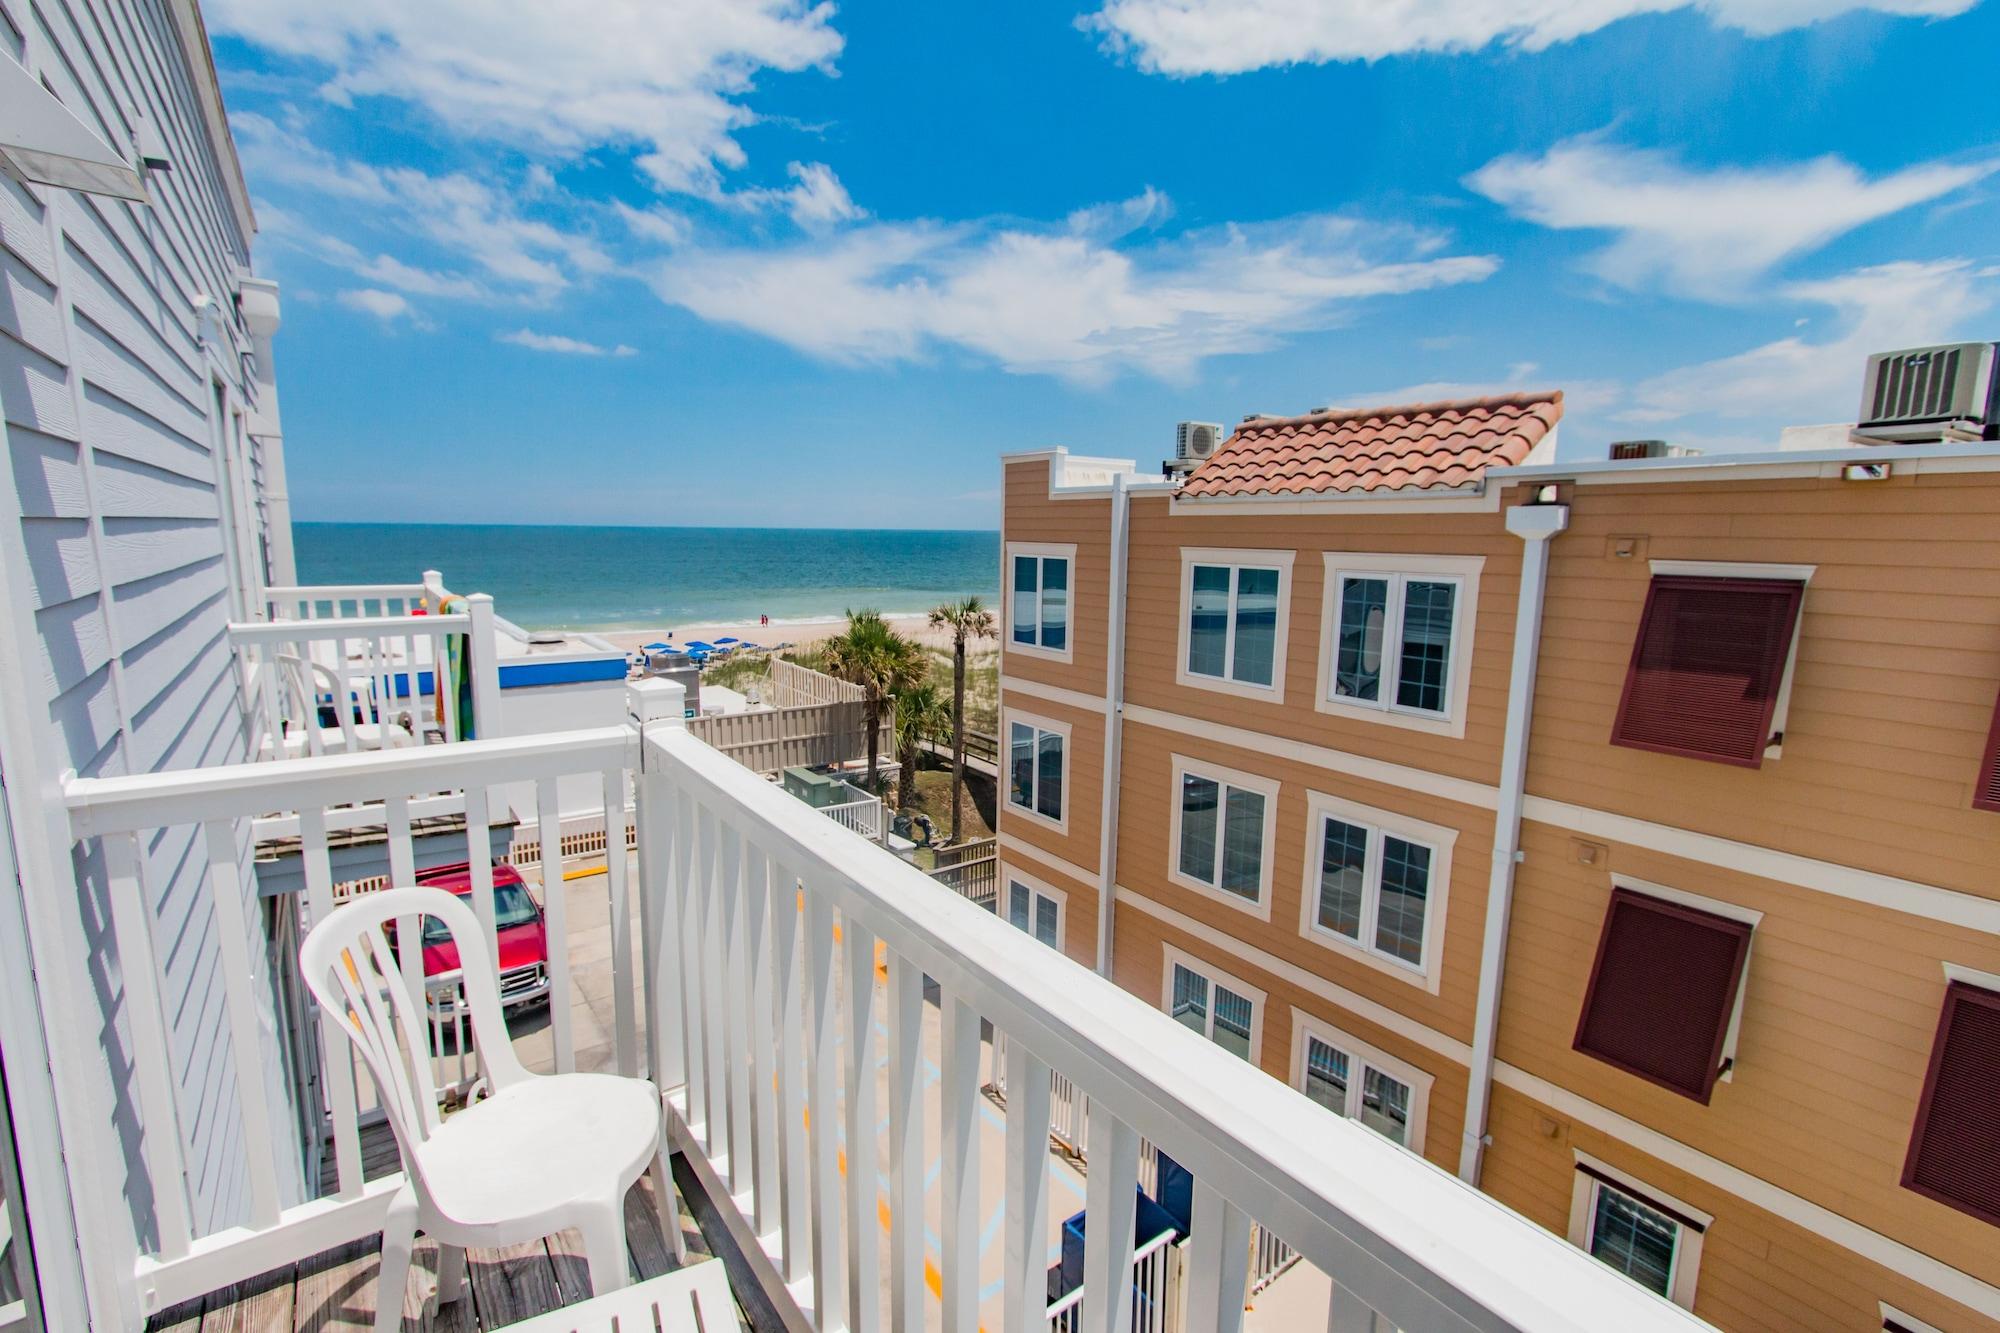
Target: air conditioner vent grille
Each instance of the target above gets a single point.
(1916, 386)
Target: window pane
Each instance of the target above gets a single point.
(1343, 859)
(1048, 783)
(1364, 605)
(1256, 625)
(1406, 889)
(1634, 1239)
(1232, 1022)
(1191, 999)
(1021, 765)
(1208, 620)
(1047, 922)
(1024, 598)
(1243, 844)
(1017, 904)
(1326, 1075)
(1427, 609)
(1055, 604)
(1385, 1105)
(1199, 797)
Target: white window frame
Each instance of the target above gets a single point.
(1439, 838)
(1734, 912)
(1038, 551)
(1268, 788)
(1235, 560)
(1686, 1270)
(1361, 1055)
(1890, 1314)
(1212, 975)
(1462, 570)
(1009, 877)
(1041, 724)
(1743, 569)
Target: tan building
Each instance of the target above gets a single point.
(1697, 754)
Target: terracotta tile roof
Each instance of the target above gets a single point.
(1417, 446)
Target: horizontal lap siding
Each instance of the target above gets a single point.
(1898, 667)
(1079, 902)
(1030, 514)
(1758, 1271)
(1145, 852)
(1083, 803)
(1838, 1015)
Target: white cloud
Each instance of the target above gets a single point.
(659, 225)
(556, 342)
(1796, 380)
(815, 200)
(1580, 396)
(385, 306)
(1054, 301)
(1231, 36)
(1707, 234)
(556, 77)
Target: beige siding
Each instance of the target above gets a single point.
(1030, 514)
(1083, 799)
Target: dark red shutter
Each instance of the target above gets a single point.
(1986, 790)
(1707, 667)
(1955, 1148)
(1662, 990)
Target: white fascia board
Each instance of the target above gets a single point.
(1799, 463)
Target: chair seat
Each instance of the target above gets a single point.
(540, 1145)
(669, 1302)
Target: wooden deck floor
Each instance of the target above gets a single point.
(337, 1290)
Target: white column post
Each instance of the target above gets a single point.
(485, 647)
(654, 702)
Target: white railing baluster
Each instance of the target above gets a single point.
(708, 962)
(616, 865)
(1110, 1201)
(659, 891)
(823, 1108)
(1218, 1262)
(336, 1054)
(763, 1043)
(1348, 1313)
(958, 1141)
(906, 1145)
(555, 915)
(688, 861)
(402, 873)
(1025, 1291)
(132, 924)
(794, 1184)
(864, 1261)
(734, 971)
(241, 974)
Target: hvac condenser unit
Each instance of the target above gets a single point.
(1196, 440)
(1931, 393)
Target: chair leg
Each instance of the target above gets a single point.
(451, 1273)
(399, 1237)
(669, 1208)
(603, 1231)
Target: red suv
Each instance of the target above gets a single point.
(524, 941)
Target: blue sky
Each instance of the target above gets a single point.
(767, 262)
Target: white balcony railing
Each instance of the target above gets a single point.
(863, 816)
(336, 601)
(761, 1022)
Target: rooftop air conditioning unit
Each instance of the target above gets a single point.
(1196, 440)
(1622, 450)
(1931, 393)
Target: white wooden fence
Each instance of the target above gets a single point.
(863, 816)
(797, 735)
(795, 686)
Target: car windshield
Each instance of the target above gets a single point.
(511, 907)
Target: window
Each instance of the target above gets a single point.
(1711, 666)
(1214, 1004)
(1036, 909)
(1038, 593)
(1223, 827)
(1643, 1234)
(1665, 991)
(1954, 1156)
(1375, 885)
(1233, 614)
(1397, 643)
(1355, 1080)
(1037, 767)
(1986, 790)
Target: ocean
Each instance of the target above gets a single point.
(548, 577)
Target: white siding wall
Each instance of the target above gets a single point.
(109, 405)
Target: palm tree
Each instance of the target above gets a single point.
(967, 619)
(920, 716)
(881, 662)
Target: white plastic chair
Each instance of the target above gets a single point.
(304, 681)
(541, 1154)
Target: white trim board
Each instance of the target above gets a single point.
(1016, 846)
(1055, 694)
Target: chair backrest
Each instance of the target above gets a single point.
(306, 680)
(361, 983)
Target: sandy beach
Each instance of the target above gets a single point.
(798, 633)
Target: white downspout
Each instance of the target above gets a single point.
(1534, 525)
(1114, 720)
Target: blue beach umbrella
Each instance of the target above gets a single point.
(658, 648)
(697, 646)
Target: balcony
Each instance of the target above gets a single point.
(820, 1013)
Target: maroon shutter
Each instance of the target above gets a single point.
(1707, 667)
(1662, 990)
(1986, 788)
(1955, 1147)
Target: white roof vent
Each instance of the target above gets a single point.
(1946, 392)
